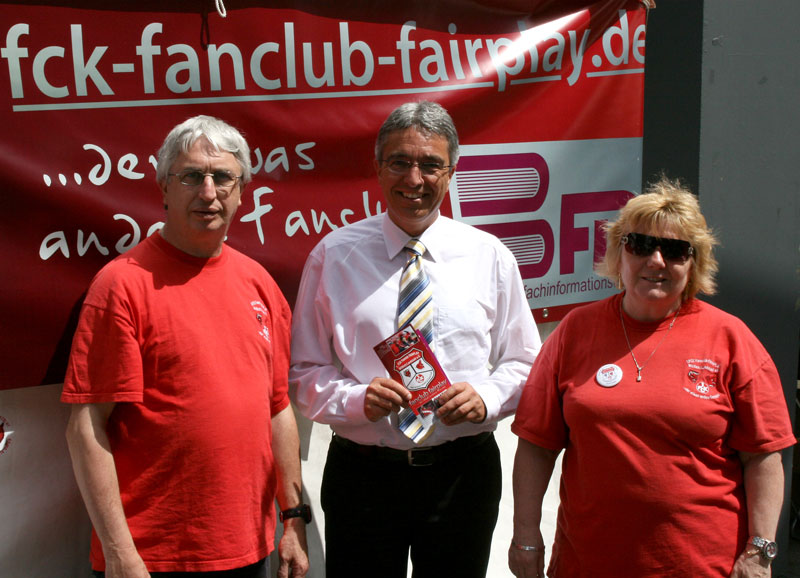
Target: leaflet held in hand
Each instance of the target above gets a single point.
(410, 361)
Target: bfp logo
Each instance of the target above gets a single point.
(514, 187)
(508, 184)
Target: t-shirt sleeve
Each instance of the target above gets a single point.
(761, 419)
(539, 418)
(105, 363)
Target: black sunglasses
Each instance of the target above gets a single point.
(645, 245)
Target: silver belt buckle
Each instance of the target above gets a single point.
(418, 457)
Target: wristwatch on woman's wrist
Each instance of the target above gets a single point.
(767, 549)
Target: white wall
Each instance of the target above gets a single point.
(45, 529)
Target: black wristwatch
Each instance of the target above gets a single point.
(301, 511)
(766, 548)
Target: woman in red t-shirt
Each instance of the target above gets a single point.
(670, 413)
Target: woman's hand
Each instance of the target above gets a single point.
(533, 466)
(526, 563)
(751, 566)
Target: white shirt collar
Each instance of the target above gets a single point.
(396, 238)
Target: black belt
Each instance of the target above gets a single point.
(424, 456)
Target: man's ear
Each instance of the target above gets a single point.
(163, 187)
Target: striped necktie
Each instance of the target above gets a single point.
(415, 304)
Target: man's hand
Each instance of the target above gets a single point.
(125, 563)
(293, 549)
(383, 397)
(96, 474)
(459, 403)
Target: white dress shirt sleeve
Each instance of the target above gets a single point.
(321, 390)
(515, 343)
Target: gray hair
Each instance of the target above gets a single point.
(425, 116)
(222, 136)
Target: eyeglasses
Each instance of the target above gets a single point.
(645, 245)
(401, 167)
(223, 180)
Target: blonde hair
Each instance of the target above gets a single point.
(665, 205)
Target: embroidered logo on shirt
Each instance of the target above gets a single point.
(5, 435)
(261, 315)
(702, 375)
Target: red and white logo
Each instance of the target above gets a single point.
(5, 435)
(702, 375)
(609, 375)
(261, 315)
(418, 374)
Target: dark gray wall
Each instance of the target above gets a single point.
(722, 111)
(672, 91)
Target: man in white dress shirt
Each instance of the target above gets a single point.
(382, 494)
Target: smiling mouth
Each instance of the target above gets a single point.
(410, 195)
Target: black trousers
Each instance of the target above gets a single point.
(258, 570)
(377, 507)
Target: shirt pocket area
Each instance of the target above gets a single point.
(463, 339)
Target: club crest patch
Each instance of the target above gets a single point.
(415, 370)
(5, 435)
(701, 378)
(261, 314)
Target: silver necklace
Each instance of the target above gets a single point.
(639, 368)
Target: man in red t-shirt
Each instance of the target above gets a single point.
(181, 432)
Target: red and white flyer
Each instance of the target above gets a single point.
(409, 360)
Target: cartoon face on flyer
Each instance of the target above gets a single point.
(418, 374)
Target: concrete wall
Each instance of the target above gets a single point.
(721, 94)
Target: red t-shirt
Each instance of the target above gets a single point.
(195, 352)
(651, 479)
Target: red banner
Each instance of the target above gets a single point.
(546, 96)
